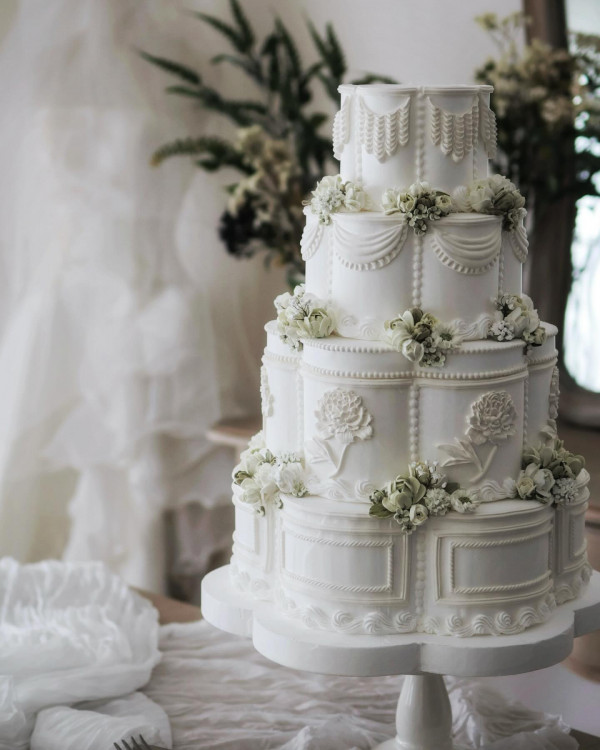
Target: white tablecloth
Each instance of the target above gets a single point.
(77, 649)
(220, 693)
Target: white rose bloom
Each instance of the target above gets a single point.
(418, 514)
(413, 350)
(257, 442)
(389, 201)
(356, 199)
(250, 493)
(460, 200)
(418, 188)
(290, 479)
(327, 184)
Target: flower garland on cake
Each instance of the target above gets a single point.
(550, 474)
(496, 196)
(410, 499)
(262, 476)
(302, 315)
(422, 338)
(516, 318)
(419, 204)
(332, 195)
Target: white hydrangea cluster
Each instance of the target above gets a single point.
(332, 195)
(302, 315)
(419, 204)
(494, 195)
(516, 318)
(262, 476)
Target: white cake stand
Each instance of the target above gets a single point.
(423, 717)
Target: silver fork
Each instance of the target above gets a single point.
(139, 744)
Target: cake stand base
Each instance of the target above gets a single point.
(423, 717)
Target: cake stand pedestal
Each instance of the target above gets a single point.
(423, 717)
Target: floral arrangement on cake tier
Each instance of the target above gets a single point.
(302, 315)
(410, 499)
(495, 195)
(550, 474)
(422, 338)
(263, 476)
(331, 195)
(279, 149)
(516, 318)
(419, 204)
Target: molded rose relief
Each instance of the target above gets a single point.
(342, 419)
(492, 422)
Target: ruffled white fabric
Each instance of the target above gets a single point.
(71, 633)
(96, 726)
(220, 693)
(125, 330)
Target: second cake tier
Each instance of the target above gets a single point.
(371, 267)
(360, 412)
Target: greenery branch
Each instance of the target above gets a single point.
(279, 148)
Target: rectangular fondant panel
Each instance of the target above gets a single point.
(337, 564)
(477, 567)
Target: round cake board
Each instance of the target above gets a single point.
(423, 718)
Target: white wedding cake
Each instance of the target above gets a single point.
(409, 476)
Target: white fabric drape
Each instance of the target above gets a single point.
(125, 330)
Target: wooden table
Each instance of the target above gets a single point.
(171, 610)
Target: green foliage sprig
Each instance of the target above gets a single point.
(279, 149)
(548, 109)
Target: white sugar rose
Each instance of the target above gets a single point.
(535, 483)
(290, 479)
(493, 418)
(481, 196)
(355, 198)
(317, 325)
(390, 201)
(413, 350)
(418, 514)
(342, 414)
(250, 493)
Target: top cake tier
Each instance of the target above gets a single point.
(392, 136)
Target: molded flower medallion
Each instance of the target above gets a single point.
(342, 418)
(266, 396)
(492, 421)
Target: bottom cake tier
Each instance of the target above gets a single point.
(496, 571)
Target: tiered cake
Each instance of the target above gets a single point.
(409, 476)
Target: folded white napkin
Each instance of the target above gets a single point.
(96, 726)
(73, 632)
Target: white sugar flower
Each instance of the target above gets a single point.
(437, 501)
(290, 479)
(464, 501)
(448, 336)
(565, 491)
(418, 514)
